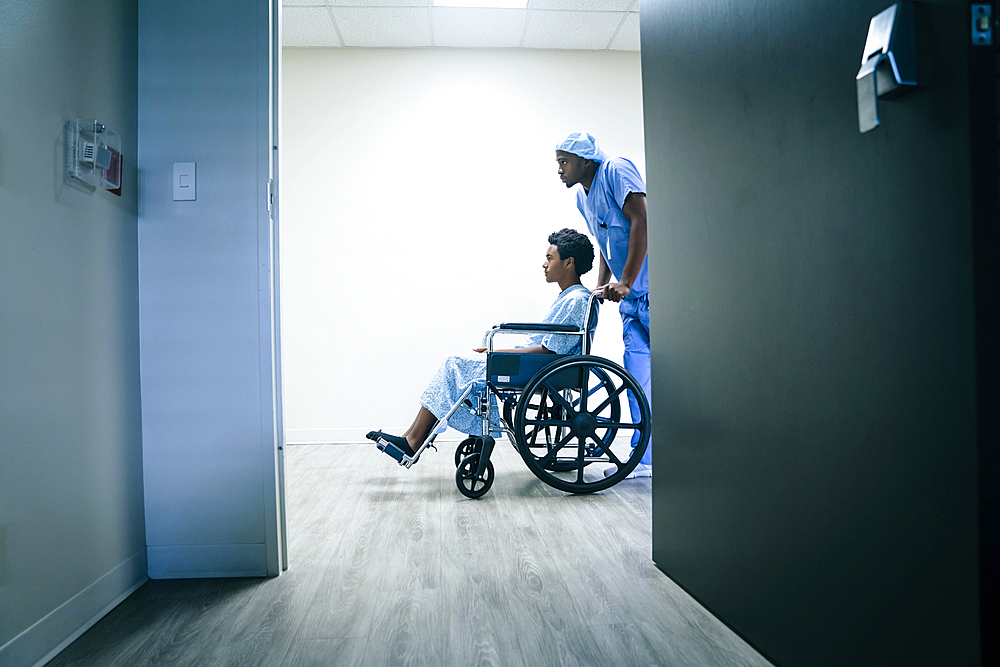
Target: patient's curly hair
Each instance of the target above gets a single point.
(571, 243)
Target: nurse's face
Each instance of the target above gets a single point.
(571, 168)
(555, 267)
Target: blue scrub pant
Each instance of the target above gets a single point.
(635, 333)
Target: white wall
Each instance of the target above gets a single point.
(204, 272)
(71, 488)
(419, 187)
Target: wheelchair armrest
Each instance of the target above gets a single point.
(539, 326)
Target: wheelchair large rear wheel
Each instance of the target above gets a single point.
(543, 410)
(550, 435)
(570, 415)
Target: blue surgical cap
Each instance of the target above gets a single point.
(584, 145)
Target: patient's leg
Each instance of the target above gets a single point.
(448, 384)
(420, 428)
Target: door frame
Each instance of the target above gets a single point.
(269, 283)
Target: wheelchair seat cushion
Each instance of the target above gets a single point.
(508, 370)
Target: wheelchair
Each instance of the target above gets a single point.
(562, 413)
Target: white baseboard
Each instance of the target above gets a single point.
(200, 561)
(347, 436)
(60, 627)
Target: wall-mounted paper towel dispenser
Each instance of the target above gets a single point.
(889, 63)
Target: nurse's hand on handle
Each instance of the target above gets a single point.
(614, 291)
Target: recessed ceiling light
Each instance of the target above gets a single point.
(492, 4)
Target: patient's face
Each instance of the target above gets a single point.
(555, 267)
(571, 168)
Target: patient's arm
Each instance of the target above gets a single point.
(531, 349)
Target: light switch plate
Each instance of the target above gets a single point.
(185, 184)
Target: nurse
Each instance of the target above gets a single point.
(612, 200)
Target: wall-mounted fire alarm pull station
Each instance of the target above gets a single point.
(93, 154)
(889, 63)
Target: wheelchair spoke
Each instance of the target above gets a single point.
(601, 445)
(604, 424)
(584, 394)
(559, 399)
(547, 422)
(607, 450)
(579, 461)
(593, 391)
(606, 402)
(555, 450)
(536, 432)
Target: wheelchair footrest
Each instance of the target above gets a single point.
(396, 450)
(391, 449)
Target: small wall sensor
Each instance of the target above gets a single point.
(93, 154)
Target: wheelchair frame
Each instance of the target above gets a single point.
(474, 470)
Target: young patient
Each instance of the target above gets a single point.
(569, 256)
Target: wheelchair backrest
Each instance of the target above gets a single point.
(590, 321)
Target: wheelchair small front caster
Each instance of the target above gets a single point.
(469, 482)
(466, 448)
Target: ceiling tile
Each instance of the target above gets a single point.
(478, 28)
(303, 3)
(627, 38)
(570, 30)
(582, 5)
(380, 3)
(307, 26)
(384, 26)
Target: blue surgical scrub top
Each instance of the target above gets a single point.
(602, 209)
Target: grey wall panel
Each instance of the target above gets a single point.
(71, 494)
(813, 341)
(984, 103)
(206, 427)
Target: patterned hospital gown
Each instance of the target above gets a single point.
(457, 372)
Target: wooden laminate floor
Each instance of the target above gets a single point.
(394, 567)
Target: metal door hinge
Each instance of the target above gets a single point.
(982, 25)
(270, 196)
